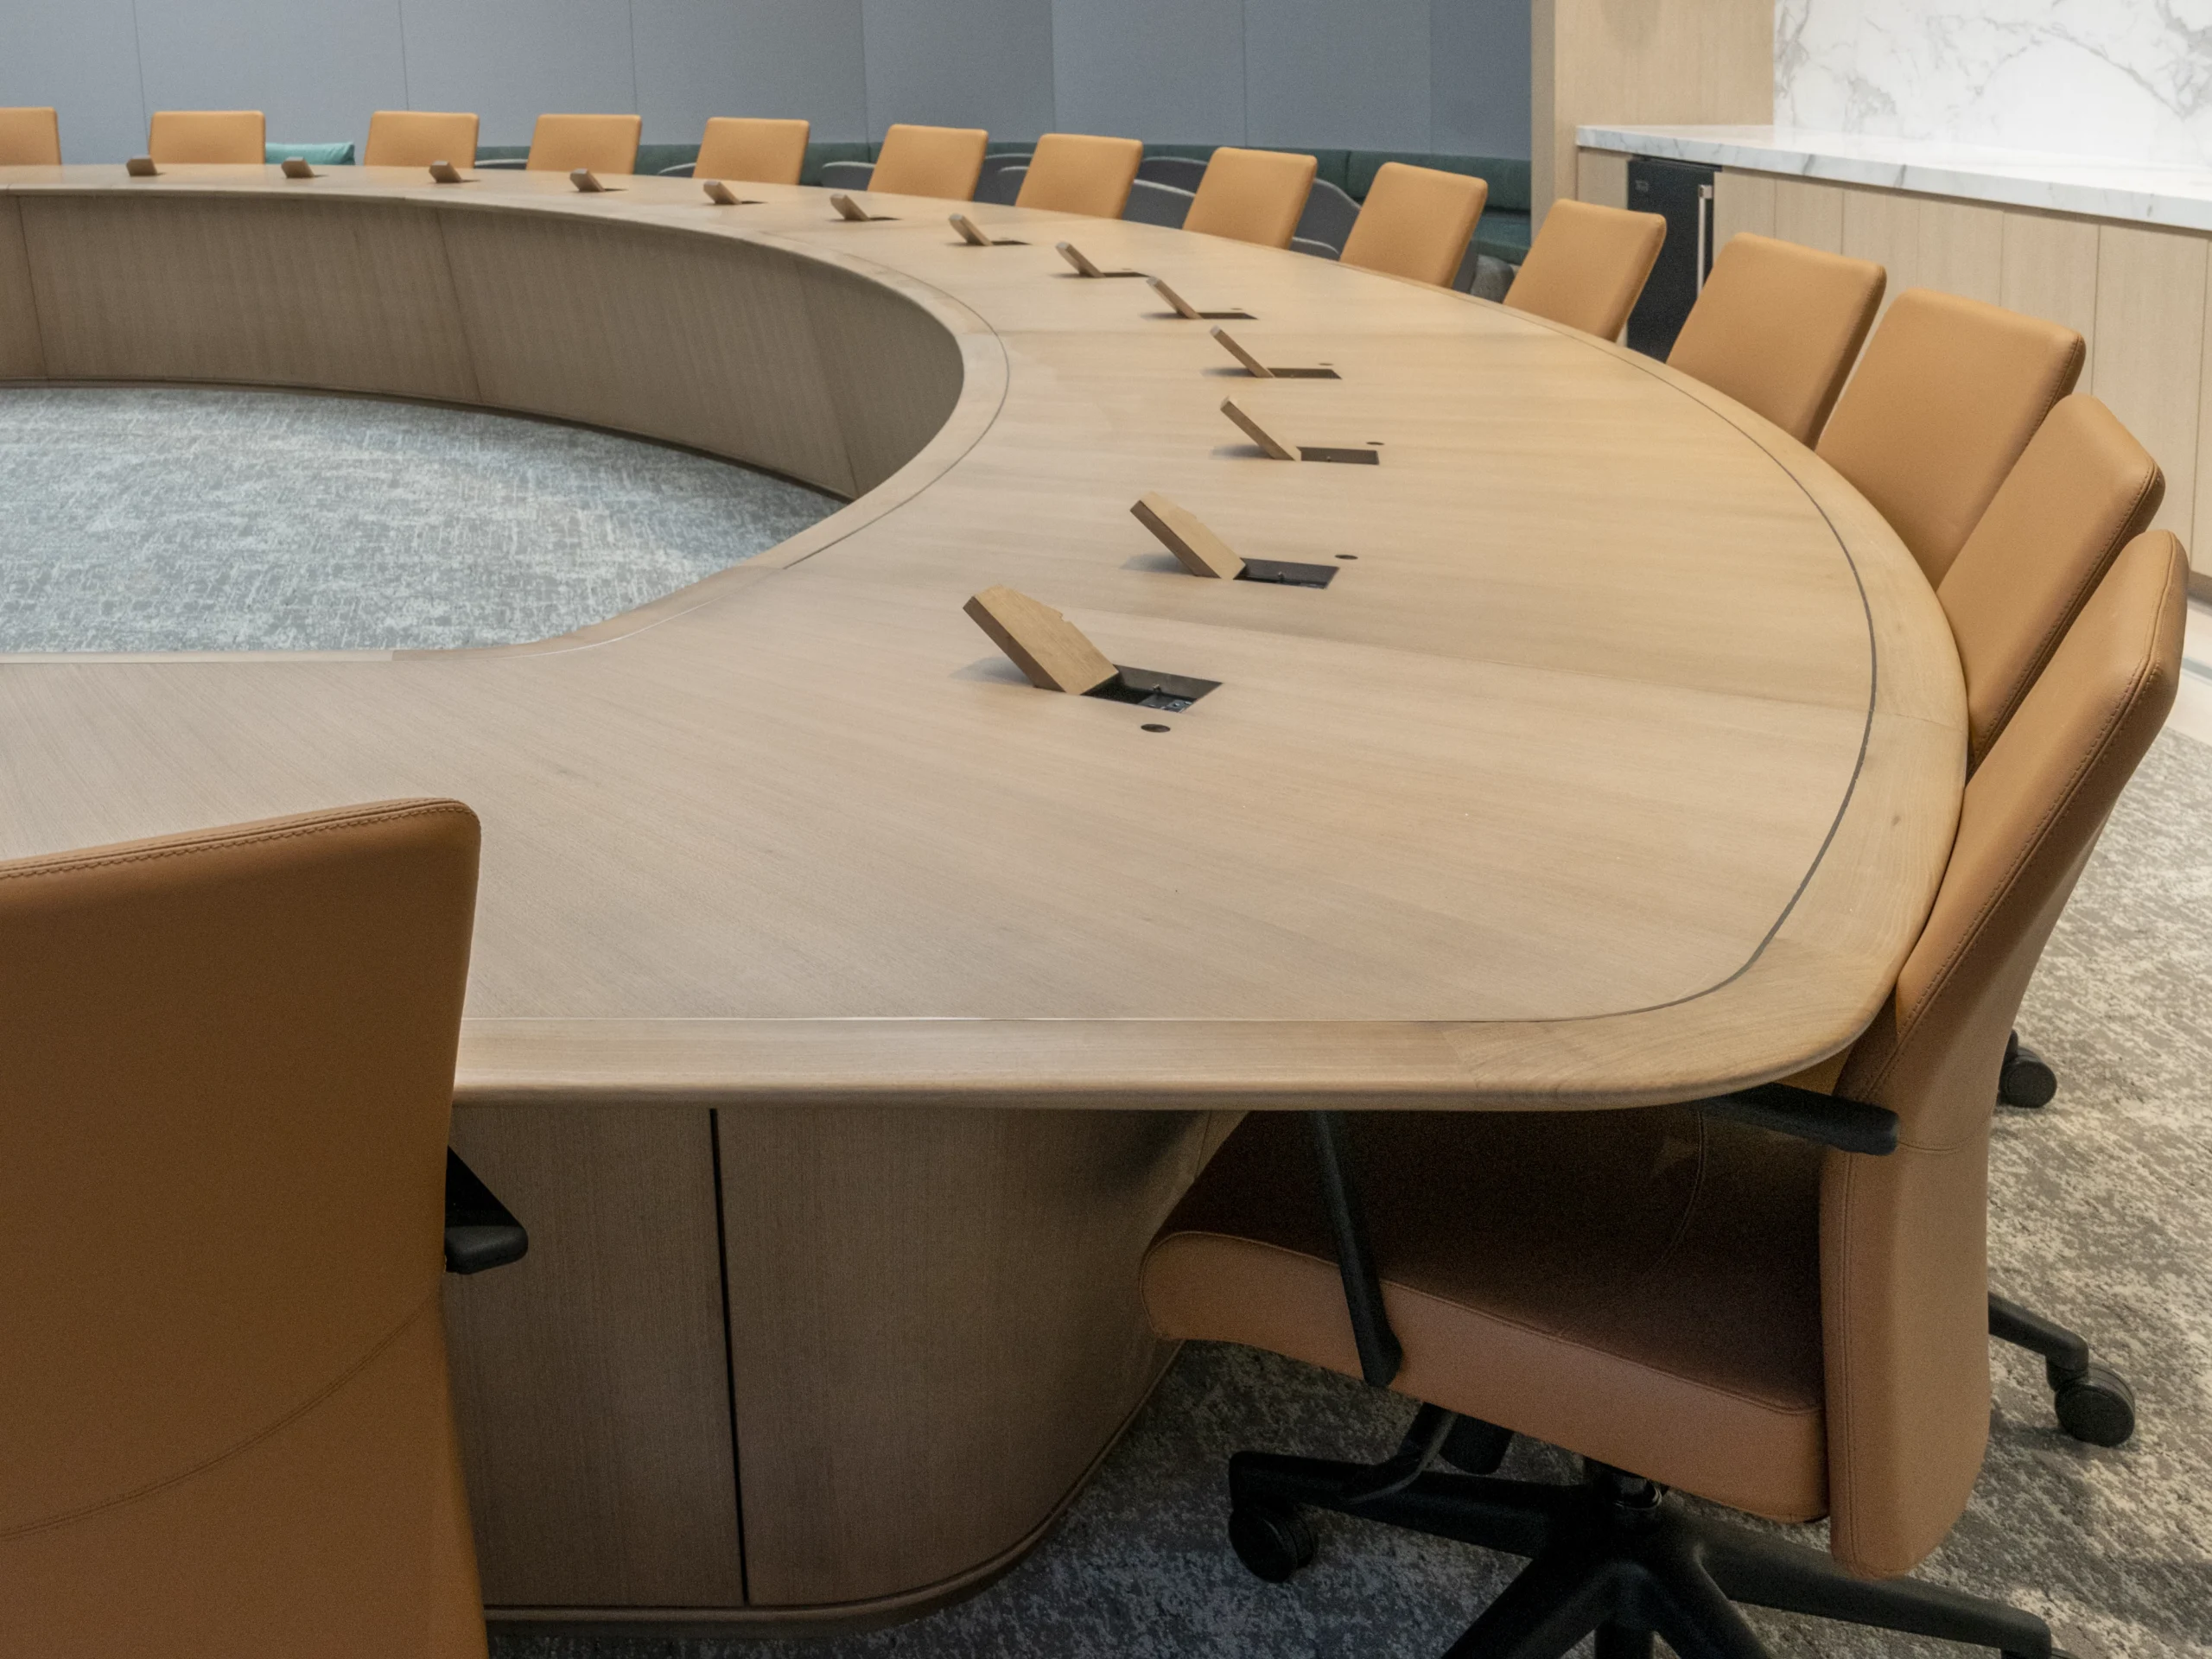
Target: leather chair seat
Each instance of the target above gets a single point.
(1609, 1280)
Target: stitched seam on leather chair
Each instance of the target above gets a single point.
(2125, 532)
(303, 1409)
(1773, 1409)
(1971, 935)
(28, 868)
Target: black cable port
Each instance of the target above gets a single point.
(1149, 689)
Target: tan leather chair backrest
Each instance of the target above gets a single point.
(1945, 399)
(1080, 173)
(1252, 196)
(1587, 266)
(30, 137)
(2081, 490)
(605, 143)
(753, 149)
(227, 1068)
(1904, 1277)
(1416, 222)
(235, 138)
(418, 137)
(942, 161)
(1778, 327)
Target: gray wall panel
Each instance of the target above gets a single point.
(703, 58)
(512, 60)
(316, 72)
(1168, 71)
(80, 56)
(961, 63)
(1478, 77)
(1336, 73)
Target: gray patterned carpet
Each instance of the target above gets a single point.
(176, 519)
(2101, 1215)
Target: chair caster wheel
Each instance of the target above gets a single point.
(1272, 1540)
(2097, 1407)
(2026, 1080)
(1475, 1447)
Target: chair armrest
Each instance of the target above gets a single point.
(1830, 1120)
(480, 1232)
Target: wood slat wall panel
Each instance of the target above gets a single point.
(1741, 201)
(2151, 295)
(1962, 250)
(1602, 177)
(1886, 229)
(590, 1380)
(22, 357)
(1808, 214)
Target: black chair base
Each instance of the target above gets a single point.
(1616, 1556)
(2093, 1402)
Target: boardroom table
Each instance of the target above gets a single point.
(846, 1012)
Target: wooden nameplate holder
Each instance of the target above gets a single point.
(446, 173)
(1202, 553)
(1081, 261)
(722, 195)
(1054, 655)
(1189, 313)
(295, 168)
(587, 181)
(972, 234)
(853, 214)
(1259, 371)
(142, 167)
(1276, 450)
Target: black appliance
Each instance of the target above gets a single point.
(1681, 193)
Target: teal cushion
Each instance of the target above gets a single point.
(1507, 178)
(848, 150)
(313, 154)
(1504, 236)
(658, 158)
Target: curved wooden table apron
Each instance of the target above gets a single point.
(1619, 767)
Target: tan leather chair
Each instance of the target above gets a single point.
(1587, 266)
(30, 137)
(1945, 399)
(224, 1096)
(1683, 1295)
(1252, 196)
(1416, 222)
(1080, 173)
(753, 149)
(2081, 490)
(418, 137)
(1778, 327)
(232, 137)
(605, 143)
(942, 161)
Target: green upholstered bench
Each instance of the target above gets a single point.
(313, 155)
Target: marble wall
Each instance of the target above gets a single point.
(2123, 79)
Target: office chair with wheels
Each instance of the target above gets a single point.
(1325, 223)
(1252, 196)
(752, 150)
(222, 137)
(1417, 223)
(1587, 266)
(224, 1187)
(1778, 327)
(1945, 398)
(596, 143)
(1079, 173)
(1774, 1300)
(30, 137)
(418, 137)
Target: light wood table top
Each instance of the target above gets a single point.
(1619, 763)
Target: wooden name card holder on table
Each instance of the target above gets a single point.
(1083, 264)
(853, 214)
(1202, 553)
(1189, 313)
(1055, 655)
(1259, 371)
(297, 168)
(587, 181)
(446, 173)
(142, 167)
(722, 194)
(972, 234)
(1276, 449)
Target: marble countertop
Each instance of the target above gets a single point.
(2178, 195)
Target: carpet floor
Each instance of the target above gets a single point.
(2101, 1215)
(177, 519)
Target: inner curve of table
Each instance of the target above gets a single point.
(1617, 764)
